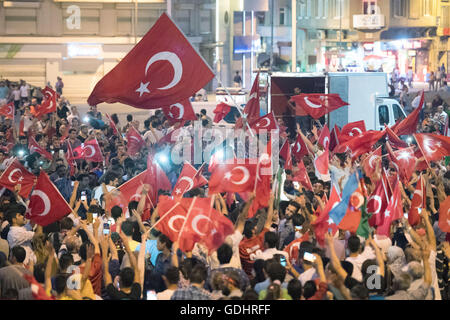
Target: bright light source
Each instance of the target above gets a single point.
(409, 140)
(219, 154)
(21, 153)
(161, 158)
(86, 119)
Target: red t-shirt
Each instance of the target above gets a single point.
(248, 247)
(96, 274)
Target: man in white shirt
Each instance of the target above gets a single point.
(171, 278)
(18, 235)
(356, 257)
(24, 91)
(154, 134)
(270, 244)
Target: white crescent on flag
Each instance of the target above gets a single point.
(174, 60)
(378, 200)
(92, 153)
(195, 222)
(312, 105)
(12, 173)
(173, 219)
(244, 178)
(180, 110)
(188, 180)
(44, 199)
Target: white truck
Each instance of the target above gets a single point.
(366, 93)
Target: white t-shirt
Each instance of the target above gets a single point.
(19, 236)
(149, 136)
(24, 91)
(357, 262)
(269, 253)
(165, 295)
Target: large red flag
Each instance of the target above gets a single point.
(172, 216)
(135, 142)
(404, 160)
(7, 110)
(189, 179)
(35, 147)
(221, 111)
(369, 163)
(285, 153)
(394, 140)
(418, 202)
(179, 112)
(266, 122)
(301, 176)
(203, 224)
(352, 130)
(162, 69)
(89, 150)
(433, 146)
(318, 104)
(394, 211)
(252, 109)
(158, 178)
(42, 210)
(444, 215)
(16, 174)
(409, 124)
(321, 164)
(362, 143)
(377, 203)
(324, 138)
(232, 178)
(299, 149)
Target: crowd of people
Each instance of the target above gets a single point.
(274, 255)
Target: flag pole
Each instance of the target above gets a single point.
(423, 153)
(237, 106)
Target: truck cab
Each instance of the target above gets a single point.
(388, 111)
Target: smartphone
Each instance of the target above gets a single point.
(95, 215)
(83, 196)
(309, 257)
(72, 183)
(151, 295)
(298, 228)
(296, 185)
(283, 261)
(106, 228)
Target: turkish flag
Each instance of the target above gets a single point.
(334, 138)
(318, 104)
(285, 153)
(352, 130)
(404, 160)
(266, 122)
(394, 211)
(299, 149)
(409, 124)
(70, 159)
(16, 174)
(377, 203)
(433, 146)
(89, 150)
(112, 124)
(49, 93)
(47, 106)
(204, 225)
(161, 70)
(323, 221)
(369, 163)
(252, 109)
(221, 111)
(46, 205)
(321, 164)
(394, 140)
(132, 190)
(158, 178)
(135, 142)
(35, 147)
(263, 181)
(324, 138)
(189, 179)
(172, 216)
(232, 177)
(362, 143)
(181, 111)
(419, 200)
(7, 110)
(301, 176)
(37, 290)
(444, 215)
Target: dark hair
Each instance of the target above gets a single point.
(203, 112)
(297, 220)
(66, 223)
(353, 244)
(165, 240)
(13, 210)
(109, 177)
(294, 289)
(248, 228)
(309, 289)
(198, 273)
(10, 294)
(65, 261)
(72, 130)
(126, 277)
(276, 271)
(116, 212)
(19, 253)
(127, 228)
(224, 253)
(359, 292)
(39, 272)
(83, 250)
(132, 205)
(172, 275)
(129, 117)
(114, 118)
(250, 294)
(271, 238)
(60, 283)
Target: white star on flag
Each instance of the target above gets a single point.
(228, 175)
(330, 221)
(386, 213)
(143, 88)
(404, 155)
(177, 191)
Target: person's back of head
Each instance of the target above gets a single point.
(224, 253)
(276, 271)
(172, 275)
(19, 254)
(127, 228)
(60, 283)
(39, 272)
(271, 239)
(132, 205)
(66, 223)
(353, 244)
(116, 212)
(273, 291)
(294, 289)
(309, 289)
(129, 117)
(402, 281)
(250, 294)
(126, 277)
(297, 220)
(416, 270)
(359, 292)
(65, 261)
(198, 274)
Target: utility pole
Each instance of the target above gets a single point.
(340, 34)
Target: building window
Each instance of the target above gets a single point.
(369, 7)
(319, 9)
(261, 18)
(325, 9)
(308, 9)
(399, 8)
(282, 16)
(427, 7)
(383, 115)
(338, 5)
